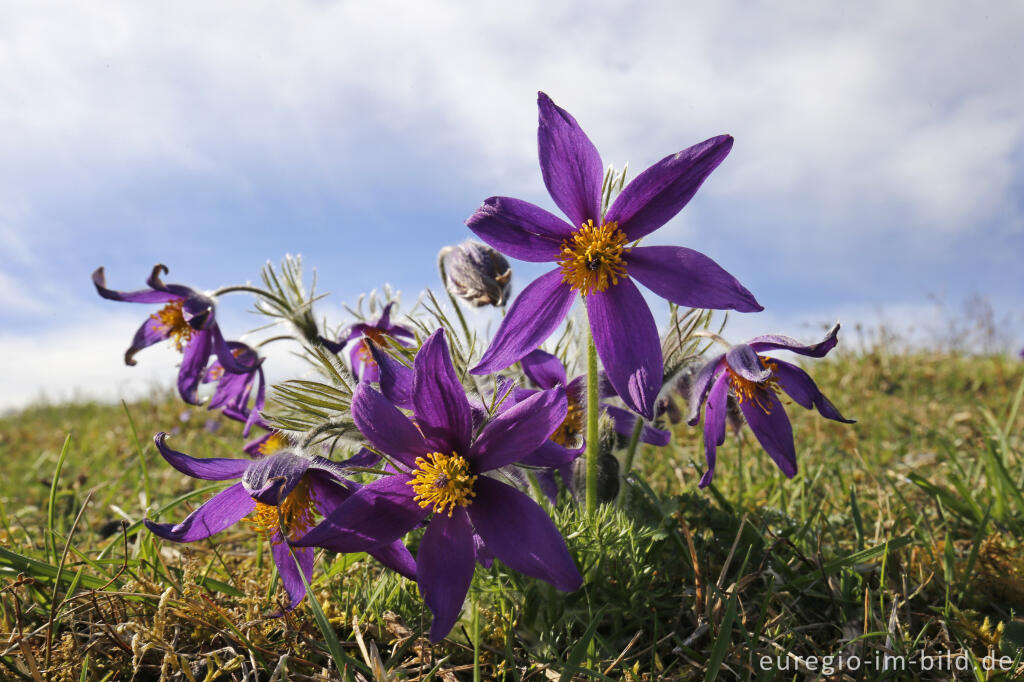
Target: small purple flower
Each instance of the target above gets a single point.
(235, 389)
(362, 362)
(187, 319)
(595, 260)
(755, 381)
(282, 488)
(442, 470)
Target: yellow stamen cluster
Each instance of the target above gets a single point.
(757, 393)
(569, 431)
(297, 513)
(275, 442)
(592, 257)
(172, 320)
(443, 481)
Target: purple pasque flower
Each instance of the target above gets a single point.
(234, 390)
(281, 488)
(442, 474)
(755, 381)
(188, 320)
(362, 362)
(595, 260)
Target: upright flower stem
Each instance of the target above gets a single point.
(593, 447)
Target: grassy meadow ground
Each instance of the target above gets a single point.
(901, 537)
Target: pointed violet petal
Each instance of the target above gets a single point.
(627, 342)
(625, 422)
(688, 278)
(143, 296)
(289, 572)
(151, 331)
(655, 196)
(802, 389)
(522, 535)
(519, 229)
(439, 400)
(701, 386)
(219, 512)
(569, 163)
(377, 514)
(178, 290)
(386, 428)
(395, 378)
(550, 455)
(543, 369)
(213, 469)
(270, 479)
(444, 568)
(779, 342)
(714, 426)
(397, 557)
(518, 431)
(772, 429)
(548, 485)
(742, 360)
(531, 319)
(193, 365)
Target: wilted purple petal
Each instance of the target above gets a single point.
(219, 512)
(627, 342)
(688, 278)
(779, 342)
(212, 469)
(535, 313)
(289, 572)
(376, 514)
(569, 163)
(177, 290)
(386, 428)
(518, 431)
(701, 386)
(655, 196)
(544, 369)
(743, 361)
(522, 535)
(714, 426)
(143, 296)
(519, 229)
(802, 389)
(193, 365)
(441, 408)
(772, 429)
(444, 569)
(270, 479)
(151, 331)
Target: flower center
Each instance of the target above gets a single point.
(592, 257)
(757, 393)
(297, 513)
(172, 321)
(443, 481)
(275, 442)
(569, 431)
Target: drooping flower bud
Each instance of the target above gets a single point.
(476, 273)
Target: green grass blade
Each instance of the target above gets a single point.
(572, 664)
(721, 645)
(51, 508)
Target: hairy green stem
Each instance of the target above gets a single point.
(634, 441)
(593, 446)
(251, 290)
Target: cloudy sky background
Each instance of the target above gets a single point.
(878, 164)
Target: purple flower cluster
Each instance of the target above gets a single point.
(449, 461)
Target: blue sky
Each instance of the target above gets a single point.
(879, 156)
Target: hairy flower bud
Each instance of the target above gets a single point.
(476, 273)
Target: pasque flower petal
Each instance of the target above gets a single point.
(772, 429)
(689, 278)
(385, 427)
(779, 342)
(212, 469)
(519, 430)
(535, 313)
(444, 568)
(543, 369)
(219, 512)
(569, 163)
(627, 342)
(519, 229)
(802, 389)
(439, 399)
(714, 426)
(655, 196)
